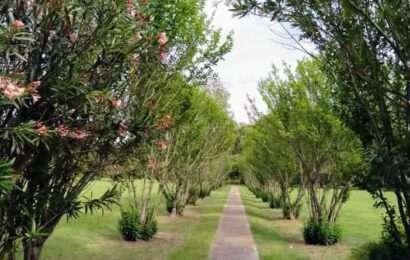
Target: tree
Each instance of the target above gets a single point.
(193, 146)
(365, 45)
(68, 72)
(304, 143)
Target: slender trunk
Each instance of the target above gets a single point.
(403, 217)
(32, 249)
(174, 209)
(146, 202)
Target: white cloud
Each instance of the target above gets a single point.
(255, 49)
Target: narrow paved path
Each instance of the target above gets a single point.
(234, 239)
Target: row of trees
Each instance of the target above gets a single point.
(365, 46)
(301, 146)
(91, 86)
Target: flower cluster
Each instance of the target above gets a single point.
(34, 86)
(122, 129)
(116, 103)
(17, 24)
(162, 41)
(41, 129)
(152, 163)
(162, 145)
(77, 134)
(164, 123)
(10, 88)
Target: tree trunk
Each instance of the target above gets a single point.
(174, 209)
(32, 249)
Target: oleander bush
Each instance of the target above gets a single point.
(321, 233)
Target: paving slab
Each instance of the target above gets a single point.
(234, 240)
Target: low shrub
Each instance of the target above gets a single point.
(321, 233)
(379, 251)
(275, 202)
(389, 248)
(203, 193)
(170, 205)
(129, 225)
(132, 229)
(257, 193)
(265, 197)
(193, 196)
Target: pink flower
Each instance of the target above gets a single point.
(99, 98)
(116, 103)
(137, 36)
(122, 129)
(63, 131)
(163, 56)
(162, 145)
(52, 34)
(135, 60)
(152, 163)
(130, 8)
(36, 98)
(73, 37)
(79, 134)
(162, 38)
(36, 84)
(41, 129)
(34, 91)
(164, 123)
(17, 24)
(10, 88)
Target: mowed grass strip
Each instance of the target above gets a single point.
(97, 237)
(279, 239)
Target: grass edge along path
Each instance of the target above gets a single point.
(197, 245)
(97, 237)
(279, 239)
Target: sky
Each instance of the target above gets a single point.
(258, 43)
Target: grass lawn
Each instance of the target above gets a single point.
(282, 239)
(96, 236)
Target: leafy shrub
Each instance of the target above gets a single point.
(257, 193)
(193, 196)
(389, 248)
(132, 229)
(379, 251)
(321, 233)
(275, 202)
(170, 206)
(129, 225)
(265, 197)
(203, 193)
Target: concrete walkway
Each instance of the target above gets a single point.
(234, 239)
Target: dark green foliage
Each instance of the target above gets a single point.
(275, 202)
(170, 206)
(129, 225)
(265, 197)
(365, 46)
(5, 178)
(321, 233)
(193, 196)
(132, 229)
(378, 251)
(203, 193)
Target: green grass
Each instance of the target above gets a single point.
(97, 237)
(282, 239)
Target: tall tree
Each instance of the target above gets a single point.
(366, 50)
